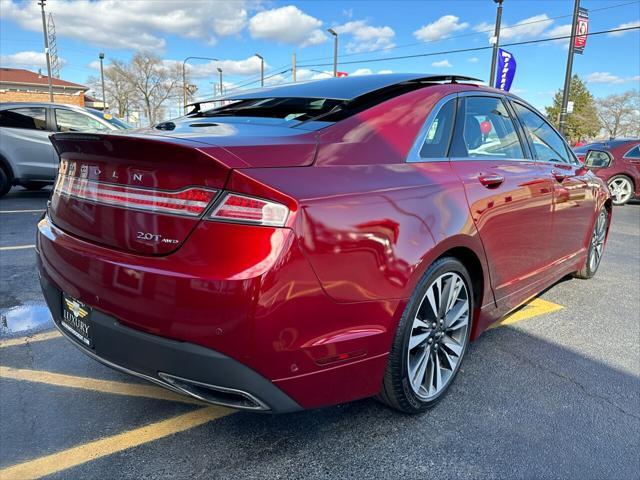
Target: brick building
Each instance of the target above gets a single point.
(19, 85)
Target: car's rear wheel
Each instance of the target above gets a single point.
(596, 246)
(431, 339)
(5, 183)
(621, 188)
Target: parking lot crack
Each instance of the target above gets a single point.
(567, 378)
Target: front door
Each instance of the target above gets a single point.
(573, 197)
(510, 199)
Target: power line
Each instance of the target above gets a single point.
(472, 49)
(463, 35)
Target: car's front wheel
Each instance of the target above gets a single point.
(621, 188)
(431, 339)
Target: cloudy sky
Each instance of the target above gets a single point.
(370, 33)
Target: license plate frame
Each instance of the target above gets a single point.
(76, 320)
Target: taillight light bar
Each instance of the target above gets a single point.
(191, 201)
(256, 211)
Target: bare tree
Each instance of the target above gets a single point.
(153, 83)
(118, 89)
(620, 114)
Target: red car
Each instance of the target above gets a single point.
(622, 173)
(315, 243)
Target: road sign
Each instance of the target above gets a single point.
(582, 30)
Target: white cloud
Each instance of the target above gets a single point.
(526, 28)
(26, 59)
(362, 71)
(287, 25)
(366, 38)
(95, 65)
(560, 31)
(442, 64)
(304, 74)
(132, 25)
(440, 29)
(606, 77)
(196, 71)
(635, 23)
(473, 59)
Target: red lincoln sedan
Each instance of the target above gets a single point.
(315, 243)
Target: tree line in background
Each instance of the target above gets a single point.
(144, 83)
(147, 83)
(616, 115)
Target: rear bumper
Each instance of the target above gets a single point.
(183, 367)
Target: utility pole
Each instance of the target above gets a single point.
(335, 50)
(293, 67)
(567, 75)
(496, 43)
(104, 100)
(220, 72)
(46, 48)
(261, 69)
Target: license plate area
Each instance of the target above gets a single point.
(75, 320)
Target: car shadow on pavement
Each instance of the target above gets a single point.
(521, 407)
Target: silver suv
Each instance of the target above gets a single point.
(27, 157)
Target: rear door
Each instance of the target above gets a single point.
(25, 141)
(509, 197)
(574, 201)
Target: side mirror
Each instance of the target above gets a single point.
(597, 159)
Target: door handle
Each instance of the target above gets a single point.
(559, 176)
(491, 180)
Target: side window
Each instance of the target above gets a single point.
(30, 118)
(70, 121)
(633, 153)
(548, 146)
(486, 130)
(436, 143)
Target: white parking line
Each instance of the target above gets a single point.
(22, 211)
(17, 247)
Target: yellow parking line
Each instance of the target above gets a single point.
(39, 337)
(534, 308)
(87, 452)
(17, 247)
(95, 385)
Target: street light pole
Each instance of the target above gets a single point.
(261, 69)
(220, 72)
(294, 67)
(184, 77)
(335, 50)
(496, 44)
(567, 75)
(46, 48)
(104, 101)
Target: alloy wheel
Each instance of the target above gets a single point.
(438, 336)
(597, 240)
(621, 190)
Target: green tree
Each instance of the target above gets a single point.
(583, 122)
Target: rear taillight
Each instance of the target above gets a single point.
(190, 201)
(256, 211)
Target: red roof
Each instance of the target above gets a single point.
(19, 75)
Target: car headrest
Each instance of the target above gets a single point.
(472, 133)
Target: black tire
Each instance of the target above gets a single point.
(33, 186)
(5, 184)
(397, 391)
(596, 238)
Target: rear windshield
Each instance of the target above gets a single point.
(288, 109)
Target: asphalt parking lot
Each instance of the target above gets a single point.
(553, 392)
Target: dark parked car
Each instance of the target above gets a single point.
(622, 174)
(315, 243)
(27, 157)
